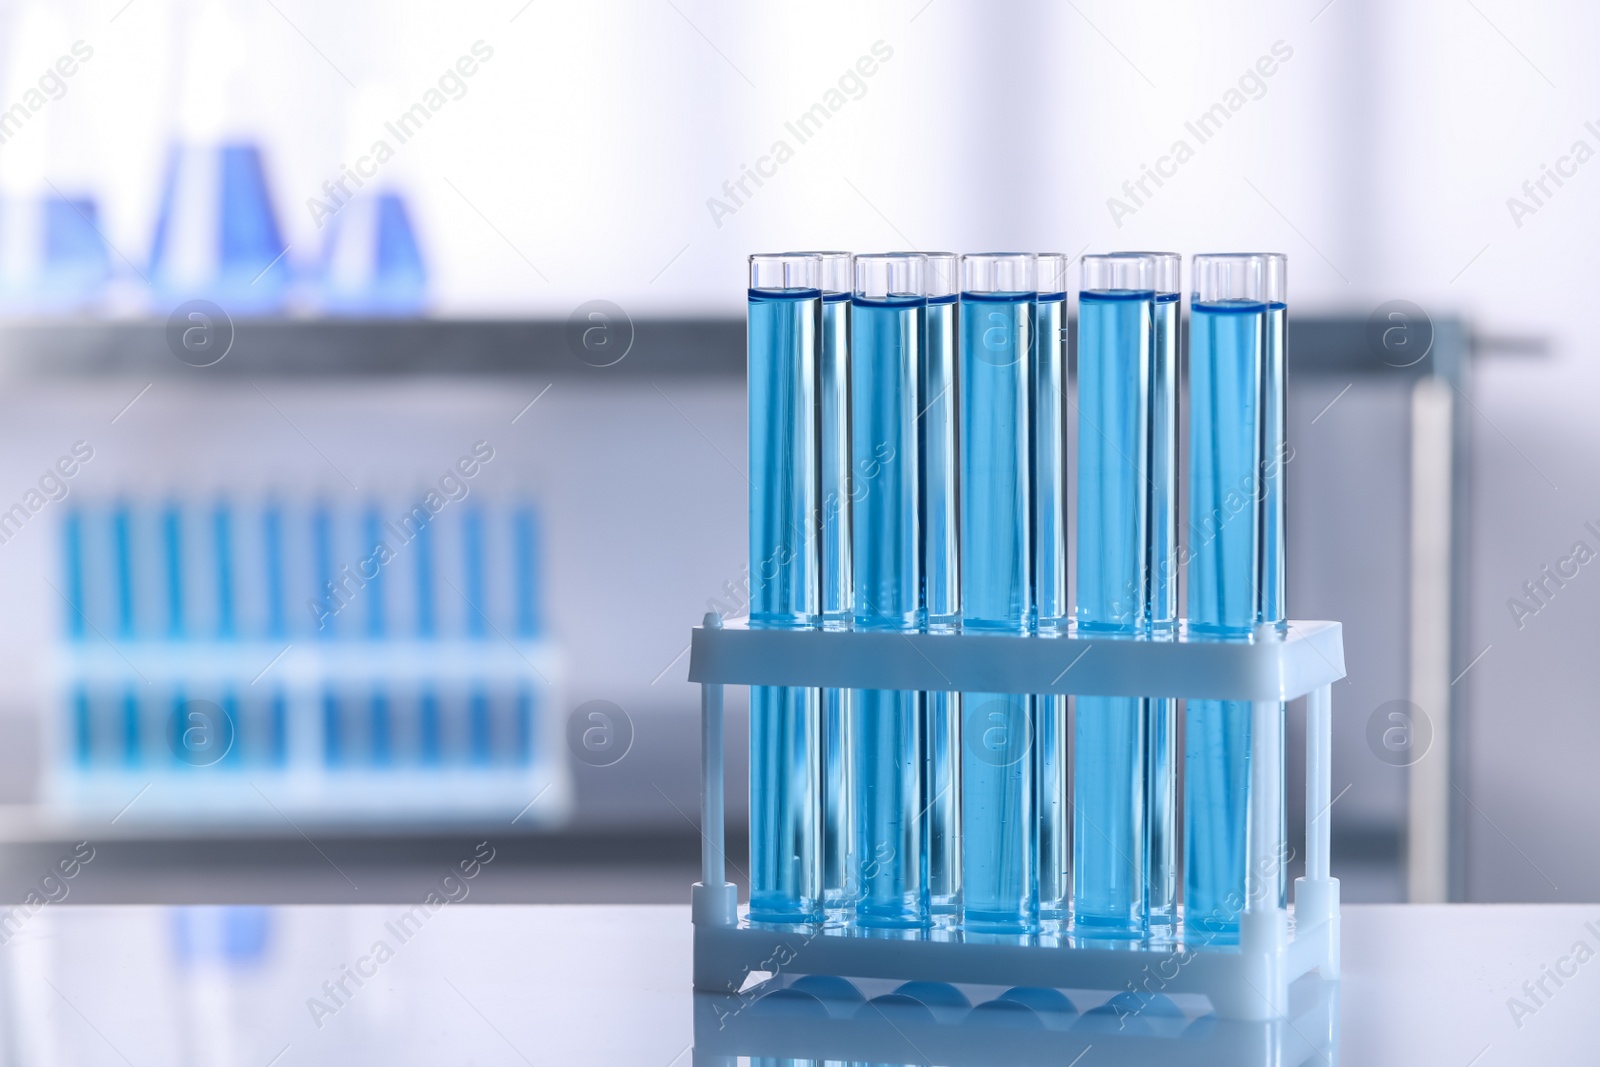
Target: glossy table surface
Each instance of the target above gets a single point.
(496, 984)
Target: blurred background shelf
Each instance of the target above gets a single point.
(614, 452)
(708, 347)
(384, 347)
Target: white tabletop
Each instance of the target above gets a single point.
(495, 984)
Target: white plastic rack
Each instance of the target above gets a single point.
(292, 732)
(1249, 980)
(814, 1019)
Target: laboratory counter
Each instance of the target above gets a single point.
(443, 982)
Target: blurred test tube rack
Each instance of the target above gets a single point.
(237, 661)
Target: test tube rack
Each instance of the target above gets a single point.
(1247, 981)
(276, 760)
(803, 1019)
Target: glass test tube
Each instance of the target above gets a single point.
(886, 324)
(785, 323)
(1161, 781)
(1116, 347)
(1049, 358)
(1236, 377)
(999, 879)
(838, 821)
(940, 571)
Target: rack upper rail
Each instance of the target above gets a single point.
(1268, 666)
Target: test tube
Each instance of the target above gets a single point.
(1116, 348)
(937, 449)
(887, 314)
(833, 394)
(999, 848)
(784, 338)
(222, 542)
(1235, 564)
(1049, 357)
(1161, 782)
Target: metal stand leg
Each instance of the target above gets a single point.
(1428, 800)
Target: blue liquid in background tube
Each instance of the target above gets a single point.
(784, 324)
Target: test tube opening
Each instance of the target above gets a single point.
(786, 271)
(1256, 277)
(999, 272)
(889, 276)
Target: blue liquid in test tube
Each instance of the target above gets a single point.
(833, 394)
(936, 445)
(72, 552)
(1049, 358)
(477, 590)
(1235, 559)
(322, 551)
(785, 322)
(1116, 345)
(222, 538)
(273, 550)
(999, 878)
(1161, 792)
(371, 535)
(885, 361)
(525, 536)
(173, 556)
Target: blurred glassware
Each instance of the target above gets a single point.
(371, 261)
(216, 235)
(53, 255)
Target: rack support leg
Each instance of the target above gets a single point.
(1316, 896)
(715, 899)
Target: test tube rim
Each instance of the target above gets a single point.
(954, 286)
(917, 293)
(1175, 258)
(829, 256)
(1271, 280)
(812, 259)
(1038, 274)
(1027, 261)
